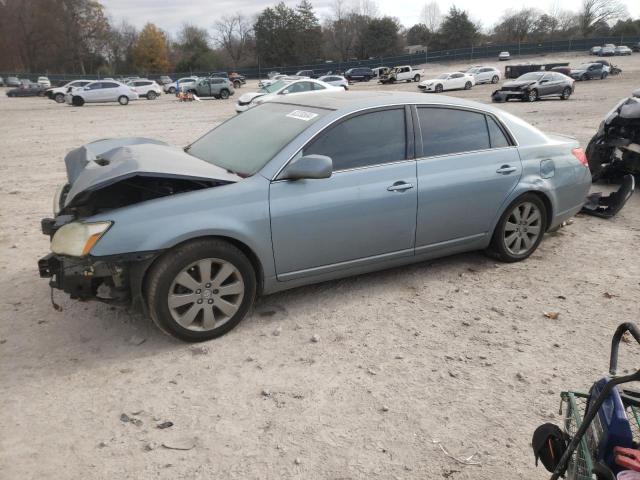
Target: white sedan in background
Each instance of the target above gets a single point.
(101, 91)
(336, 81)
(58, 93)
(283, 87)
(448, 81)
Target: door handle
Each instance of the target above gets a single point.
(400, 187)
(506, 169)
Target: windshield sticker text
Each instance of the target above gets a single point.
(302, 115)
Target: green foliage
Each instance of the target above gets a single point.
(381, 37)
(457, 30)
(419, 34)
(194, 51)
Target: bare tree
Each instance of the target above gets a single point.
(431, 16)
(339, 30)
(594, 12)
(367, 8)
(232, 33)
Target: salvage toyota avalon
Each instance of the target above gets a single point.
(327, 186)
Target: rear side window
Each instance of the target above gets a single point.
(109, 85)
(447, 131)
(369, 139)
(496, 135)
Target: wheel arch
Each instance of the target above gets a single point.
(544, 197)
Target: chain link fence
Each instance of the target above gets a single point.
(439, 56)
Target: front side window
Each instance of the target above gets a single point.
(109, 85)
(317, 86)
(300, 87)
(94, 86)
(447, 131)
(372, 138)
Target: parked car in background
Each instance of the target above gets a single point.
(27, 89)
(306, 73)
(1, 82)
(379, 71)
(484, 74)
(595, 50)
(359, 74)
(636, 47)
(336, 81)
(185, 84)
(608, 50)
(447, 81)
(165, 80)
(58, 93)
(281, 88)
(504, 56)
(214, 87)
(13, 82)
(44, 82)
(606, 66)
(146, 88)
(402, 73)
(563, 70)
(533, 86)
(268, 81)
(589, 71)
(235, 78)
(298, 191)
(101, 91)
(623, 50)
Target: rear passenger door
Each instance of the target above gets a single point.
(467, 166)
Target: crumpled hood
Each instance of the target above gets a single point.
(577, 71)
(104, 162)
(521, 83)
(250, 96)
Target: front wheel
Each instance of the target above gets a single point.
(200, 290)
(77, 101)
(467, 86)
(566, 93)
(532, 96)
(237, 84)
(59, 98)
(439, 88)
(151, 95)
(123, 100)
(519, 230)
(172, 90)
(495, 79)
(416, 78)
(224, 94)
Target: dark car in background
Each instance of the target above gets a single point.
(13, 82)
(235, 78)
(535, 85)
(27, 90)
(359, 74)
(589, 71)
(636, 47)
(306, 73)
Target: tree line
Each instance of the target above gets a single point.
(77, 36)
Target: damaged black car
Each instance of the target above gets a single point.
(533, 86)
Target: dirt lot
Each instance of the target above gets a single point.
(455, 351)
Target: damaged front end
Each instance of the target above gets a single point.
(614, 151)
(104, 176)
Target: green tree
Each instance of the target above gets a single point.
(419, 34)
(457, 30)
(308, 42)
(276, 31)
(194, 51)
(381, 37)
(150, 53)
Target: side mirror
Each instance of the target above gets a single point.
(308, 167)
(284, 92)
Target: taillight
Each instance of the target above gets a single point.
(581, 156)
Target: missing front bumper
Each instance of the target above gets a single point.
(608, 206)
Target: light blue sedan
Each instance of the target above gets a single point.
(302, 190)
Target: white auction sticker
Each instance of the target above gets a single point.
(302, 115)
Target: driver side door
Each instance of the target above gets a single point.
(364, 213)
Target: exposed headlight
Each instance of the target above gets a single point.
(76, 239)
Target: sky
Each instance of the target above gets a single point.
(170, 15)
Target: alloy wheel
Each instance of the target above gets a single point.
(523, 228)
(206, 294)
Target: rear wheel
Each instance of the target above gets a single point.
(519, 230)
(532, 95)
(439, 88)
(416, 78)
(495, 79)
(237, 84)
(201, 290)
(77, 101)
(172, 90)
(584, 77)
(151, 95)
(59, 98)
(123, 100)
(224, 94)
(566, 93)
(467, 86)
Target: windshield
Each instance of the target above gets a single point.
(246, 143)
(531, 76)
(274, 87)
(443, 76)
(584, 66)
(473, 70)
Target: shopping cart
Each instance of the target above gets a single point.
(584, 426)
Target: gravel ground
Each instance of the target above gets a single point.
(454, 353)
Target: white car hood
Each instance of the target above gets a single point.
(250, 96)
(431, 80)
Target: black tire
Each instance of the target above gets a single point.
(237, 84)
(566, 93)
(166, 268)
(59, 97)
(439, 88)
(495, 79)
(467, 86)
(151, 95)
(123, 100)
(77, 101)
(584, 77)
(172, 90)
(224, 94)
(498, 249)
(416, 78)
(532, 95)
(366, 79)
